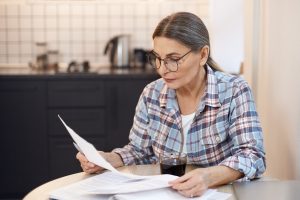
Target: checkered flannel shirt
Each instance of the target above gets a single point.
(225, 131)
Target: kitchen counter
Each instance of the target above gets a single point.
(94, 72)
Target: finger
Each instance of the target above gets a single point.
(93, 170)
(183, 193)
(96, 169)
(186, 194)
(181, 179)
(194, 192)
(184, 186)
(198, 190)
(84, 167)
(91, 165)
(90, 170)
(81, 157)
(188, 184)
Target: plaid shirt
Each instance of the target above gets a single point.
(225, 131)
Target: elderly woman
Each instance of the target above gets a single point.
(193, 108)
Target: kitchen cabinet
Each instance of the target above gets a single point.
(36, 147)
(123, 96)
(24, 161)
(81, 103)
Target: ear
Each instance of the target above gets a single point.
(204, 53)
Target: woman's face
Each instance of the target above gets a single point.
(189, 66)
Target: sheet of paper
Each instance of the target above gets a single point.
(104, 185)
(93, 156)
(88, 149)
(169, 194)
(112, 183)
(76, 191)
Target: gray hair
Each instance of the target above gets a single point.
(188, 29)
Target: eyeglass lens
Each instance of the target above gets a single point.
(156, 62)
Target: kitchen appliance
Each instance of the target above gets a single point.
(119, 51)
(78, 67)
(140, 58)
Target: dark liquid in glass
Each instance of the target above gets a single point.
(172, 166)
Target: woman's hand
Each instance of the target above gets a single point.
(193, 183)
(87, 166)
(196, 182)
(113, 158)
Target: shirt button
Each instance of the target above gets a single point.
(218, 139)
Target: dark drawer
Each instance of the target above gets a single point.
(83, 121)
(76, 93)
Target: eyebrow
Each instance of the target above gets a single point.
(168, 55)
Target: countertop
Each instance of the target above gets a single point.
(15, 72)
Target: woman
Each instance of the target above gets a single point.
(194, 108)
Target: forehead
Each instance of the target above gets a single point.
(164, 46)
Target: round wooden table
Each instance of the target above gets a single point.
(42, 192)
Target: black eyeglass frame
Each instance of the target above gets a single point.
(165, 62)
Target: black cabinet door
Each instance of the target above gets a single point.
(23, 137)
(123, 97)
(89, 123)
(81, 104)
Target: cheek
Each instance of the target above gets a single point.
(160, 71)
(191, 69)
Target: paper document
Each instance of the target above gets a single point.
(169, 194)
(93, 156)
(88, 149)
(110, 186)
(113, 184)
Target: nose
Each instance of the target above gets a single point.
(163, 69)
(164, 66)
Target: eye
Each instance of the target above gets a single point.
(172, 59)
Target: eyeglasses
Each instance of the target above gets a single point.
(170, 63)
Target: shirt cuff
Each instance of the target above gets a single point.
(127, 158)
(242, 164)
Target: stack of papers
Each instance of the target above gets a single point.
(113, 184)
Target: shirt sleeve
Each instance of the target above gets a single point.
(139, 150)
(248, 154)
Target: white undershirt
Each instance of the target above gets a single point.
(186, 125)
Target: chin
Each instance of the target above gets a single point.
(172, 85)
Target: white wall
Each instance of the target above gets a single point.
(278, 84)
(226, 31)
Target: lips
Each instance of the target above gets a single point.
(169, 80)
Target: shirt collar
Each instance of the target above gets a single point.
(211, 97)
(167, 98)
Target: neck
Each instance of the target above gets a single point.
(195, 88)
(188, 97)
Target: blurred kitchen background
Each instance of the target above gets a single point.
(80, 29)
(256, 39)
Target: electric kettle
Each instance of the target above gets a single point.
(119, 51)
